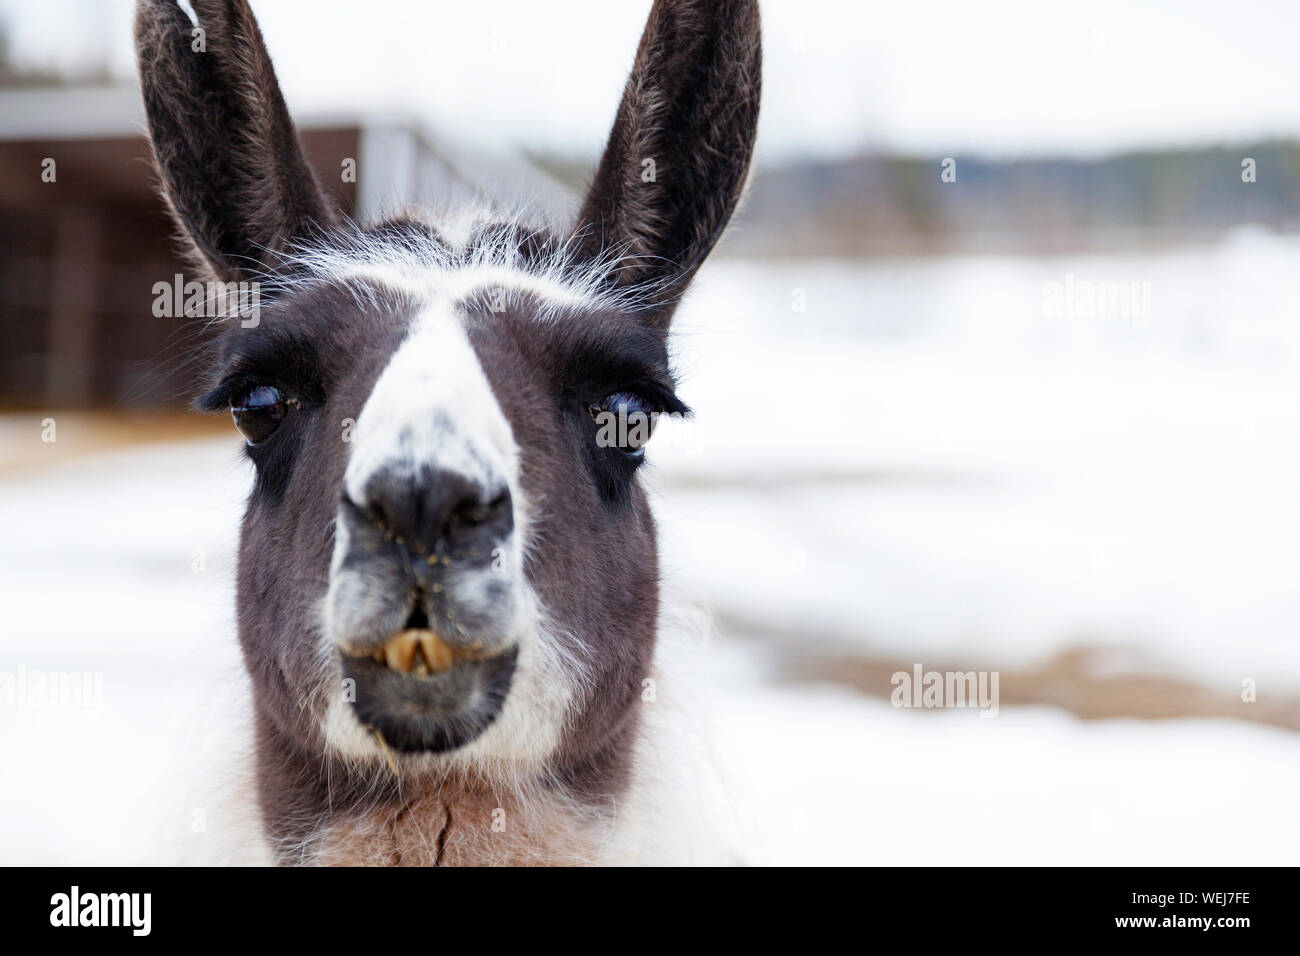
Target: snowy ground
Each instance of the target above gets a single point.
(925, 463)
(922, 465)
(827, 777)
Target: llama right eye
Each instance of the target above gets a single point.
(259, 413)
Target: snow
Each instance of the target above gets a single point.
(829, 778)
(926, 464)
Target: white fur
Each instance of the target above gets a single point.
(452, 270)
(433, 406)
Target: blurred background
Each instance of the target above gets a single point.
(998, 370)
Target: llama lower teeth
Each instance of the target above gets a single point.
(400, 651)
(438, 655)
(418, 650)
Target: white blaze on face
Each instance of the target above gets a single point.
(433, 406)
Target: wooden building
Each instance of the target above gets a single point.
(84, 236)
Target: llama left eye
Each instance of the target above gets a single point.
(259, 413)
(626, 421)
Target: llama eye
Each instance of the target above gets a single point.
(626, 421)
(259, 412)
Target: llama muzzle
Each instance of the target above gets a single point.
(429, 700)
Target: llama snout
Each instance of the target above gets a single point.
(439, 515)
(422, 604)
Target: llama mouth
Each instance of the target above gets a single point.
(420, 651)
(423, 695)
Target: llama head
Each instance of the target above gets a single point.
(447, 551)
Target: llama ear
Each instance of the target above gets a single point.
(230, 161)
(678, 155)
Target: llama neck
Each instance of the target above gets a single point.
(341, 816)
(452, 827)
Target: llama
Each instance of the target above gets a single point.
(447, 592)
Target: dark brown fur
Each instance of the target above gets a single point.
(691, 106)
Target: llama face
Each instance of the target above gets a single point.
(445, 556)
(440, 470)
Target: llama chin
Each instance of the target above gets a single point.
(676, 811)
(448, 594)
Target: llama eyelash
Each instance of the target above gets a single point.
(235, 386)
(661, 401)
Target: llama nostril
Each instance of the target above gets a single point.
(372, 512)
(476, 522)
(432, 510)
(472, 512)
